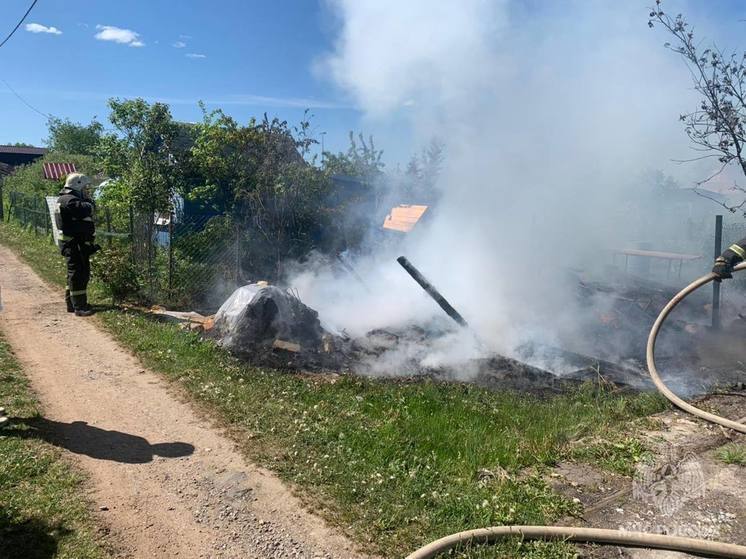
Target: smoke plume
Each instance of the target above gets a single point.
(550, 113)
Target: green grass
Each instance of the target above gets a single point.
(732, 453)
(394, 464)
(616, 452)
(397, 464)
(42, 511)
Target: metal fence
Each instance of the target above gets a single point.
(188, 261)
(181, 261)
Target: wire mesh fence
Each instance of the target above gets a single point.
(191, 261)
(180, 261)
(30, 211)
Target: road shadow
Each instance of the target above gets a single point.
(81, 438)
(28, 538)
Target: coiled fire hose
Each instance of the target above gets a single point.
(702, 548)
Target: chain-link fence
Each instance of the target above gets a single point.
(181, 261)
(188, 261)
(31, 212)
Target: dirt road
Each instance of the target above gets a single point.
(162, 480)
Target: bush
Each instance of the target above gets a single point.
(114, 267)
(29, 179)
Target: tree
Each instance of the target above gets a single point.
(72, 137)
(422, 172)
(142, 153)
(361, 160)
(716, 127)
(257, 173)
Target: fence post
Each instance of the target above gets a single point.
(133, 249)
(170, 253)
(238, 254)
(2, 201)
(35, 215)
(47, 217)
(107, 213)
(716, 284)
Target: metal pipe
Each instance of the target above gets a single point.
(430, 290)
(716, 285)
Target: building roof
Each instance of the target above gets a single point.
(23, 150)
(55, 171)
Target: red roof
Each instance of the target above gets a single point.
(55, 171)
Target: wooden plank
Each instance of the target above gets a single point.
(403, 218)
(659, 254)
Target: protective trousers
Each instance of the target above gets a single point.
(77, 255)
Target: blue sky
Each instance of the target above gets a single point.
(247, 57)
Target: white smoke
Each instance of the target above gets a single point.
(550, 113)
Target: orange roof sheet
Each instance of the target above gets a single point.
(404, 218)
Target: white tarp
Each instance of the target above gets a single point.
(55, 218)
(229, 312)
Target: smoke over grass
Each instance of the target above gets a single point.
(550, 113)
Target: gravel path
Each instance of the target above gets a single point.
(163, 481)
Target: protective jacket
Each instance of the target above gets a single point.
(76, 213)
(725, 263)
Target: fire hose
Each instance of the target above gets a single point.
(699, 547)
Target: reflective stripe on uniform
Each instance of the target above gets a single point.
(738, 250)
(79, 292)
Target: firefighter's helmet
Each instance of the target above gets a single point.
(77, 182)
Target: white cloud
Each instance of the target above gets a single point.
(179, 45)
(119, 35)
(185, 36)
(39, 28)
(195, 55)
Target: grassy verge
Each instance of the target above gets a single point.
(42, 512)
(394, 464)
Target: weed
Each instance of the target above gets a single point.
(732, 453)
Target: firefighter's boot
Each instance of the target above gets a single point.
(69, 301)
(80, 302)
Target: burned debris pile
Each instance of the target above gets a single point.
(269, 326)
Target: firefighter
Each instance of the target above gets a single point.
(725, 262)
(78, 240)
